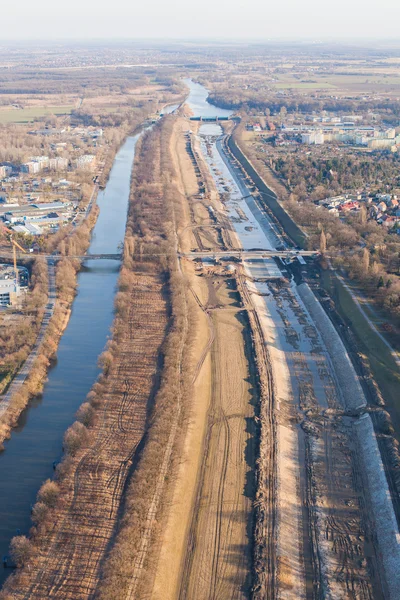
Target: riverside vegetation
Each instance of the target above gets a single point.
(18, 339)
(151, 289)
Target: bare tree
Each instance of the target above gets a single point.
(20, 550)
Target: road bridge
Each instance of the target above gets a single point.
(214, 254)
(249, 254)
(209, 119)
(57, 257)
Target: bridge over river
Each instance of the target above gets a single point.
(57, 257)
(214, 254)
(249, 254)
(215, 119)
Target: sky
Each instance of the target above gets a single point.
(210, 19)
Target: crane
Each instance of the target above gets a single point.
(15, 245)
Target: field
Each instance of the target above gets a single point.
(382, 363)
(340, 82)
(304, 85)
(27, 115)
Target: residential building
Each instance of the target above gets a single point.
(30, 167)
(58, 164)
(86, 162)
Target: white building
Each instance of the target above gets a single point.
(8, 292)
(58, 164)
(314, 137)
(86, 162)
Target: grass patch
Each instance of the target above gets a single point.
(304, 85)
(382, 363)
(27, 115)
(342, 80)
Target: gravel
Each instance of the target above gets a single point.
(381, 513)
(349, 385)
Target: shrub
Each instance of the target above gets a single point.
(21, 550)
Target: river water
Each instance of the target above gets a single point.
(37, 441)
(197, 100)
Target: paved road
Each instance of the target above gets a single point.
(23, 373)
(249, 253)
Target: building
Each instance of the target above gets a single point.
(9, 292)
(314, 137)
(86, 162)
(307, 138)
(380, 143)
(30, 167)
(7, 169)
(390, 221)
(58, 164)
(43, 161)
(28, 229)
(21, 214)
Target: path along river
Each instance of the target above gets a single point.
(37, 441)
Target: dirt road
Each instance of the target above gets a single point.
(218, 556)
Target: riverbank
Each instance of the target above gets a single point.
(310, 450)
(75, 369)
(61, 293)
(43, 354)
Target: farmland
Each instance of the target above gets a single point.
(27, 115)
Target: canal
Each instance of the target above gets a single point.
(37, 441)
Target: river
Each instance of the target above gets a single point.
(197, 100)
(37, 441)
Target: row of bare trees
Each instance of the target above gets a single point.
(18, 335)
(152, 226)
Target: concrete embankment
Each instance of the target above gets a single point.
(382, 514)
(269, 196)
(351, 391)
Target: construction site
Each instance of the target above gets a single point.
(14, 279)
(227, 451)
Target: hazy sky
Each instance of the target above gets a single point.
(257, 19)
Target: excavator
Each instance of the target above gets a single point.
(15, 245)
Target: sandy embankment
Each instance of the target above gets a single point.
(289, 508)
(174, 538)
